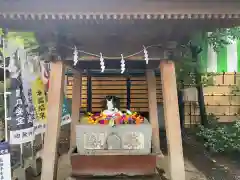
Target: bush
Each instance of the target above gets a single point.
(221, 138)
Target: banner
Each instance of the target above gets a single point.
(66, 117)
(27, 79)
(40, 127)
(5, 163)
(21, 130)
(39, 100)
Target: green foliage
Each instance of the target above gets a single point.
(28, 38)
(220, 138)
(186, 77)
(185, 69)
(223, 37)
(218, 39)
(207, 79)
(184, 72)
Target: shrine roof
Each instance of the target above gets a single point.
(119, 9)
(115, 27)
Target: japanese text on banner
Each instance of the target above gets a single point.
(39, 100)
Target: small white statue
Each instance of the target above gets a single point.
(112, 105)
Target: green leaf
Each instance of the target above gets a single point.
(222, 37)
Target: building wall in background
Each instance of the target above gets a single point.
(222, 99)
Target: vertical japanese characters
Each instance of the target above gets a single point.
(31, 111)
(39, 100)
(19, 110)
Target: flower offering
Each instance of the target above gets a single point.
(119, 117)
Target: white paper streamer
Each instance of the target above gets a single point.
(145, 54)
(75, 56)
(102, 64)
(122, 64)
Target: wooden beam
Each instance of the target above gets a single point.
(172, 120)
(55, 102)
(76, 103)
(153, 112)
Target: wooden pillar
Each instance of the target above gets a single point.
(172, 120)
(54, 114)
(76, 102)
(153, 112)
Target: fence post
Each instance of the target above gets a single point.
(223, 78)
(235, 77)
(181, 108)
